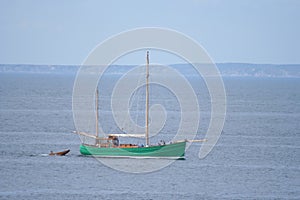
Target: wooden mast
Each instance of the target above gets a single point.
(147, 100)
(96, 102)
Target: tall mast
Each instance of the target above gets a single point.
(147, 100)
(96, 102)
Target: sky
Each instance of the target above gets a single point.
(66, 31)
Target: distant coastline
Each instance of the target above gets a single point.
(226, 69)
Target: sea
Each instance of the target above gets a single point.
(256, 157)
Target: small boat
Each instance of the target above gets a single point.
(60, 153)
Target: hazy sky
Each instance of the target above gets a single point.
(64, 32)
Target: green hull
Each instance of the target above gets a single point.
(174, 151)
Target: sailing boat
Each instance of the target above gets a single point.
(111, 147)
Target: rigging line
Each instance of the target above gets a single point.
(136, 94)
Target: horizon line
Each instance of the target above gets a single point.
(152, 64)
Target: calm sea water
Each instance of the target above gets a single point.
(257, 156)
